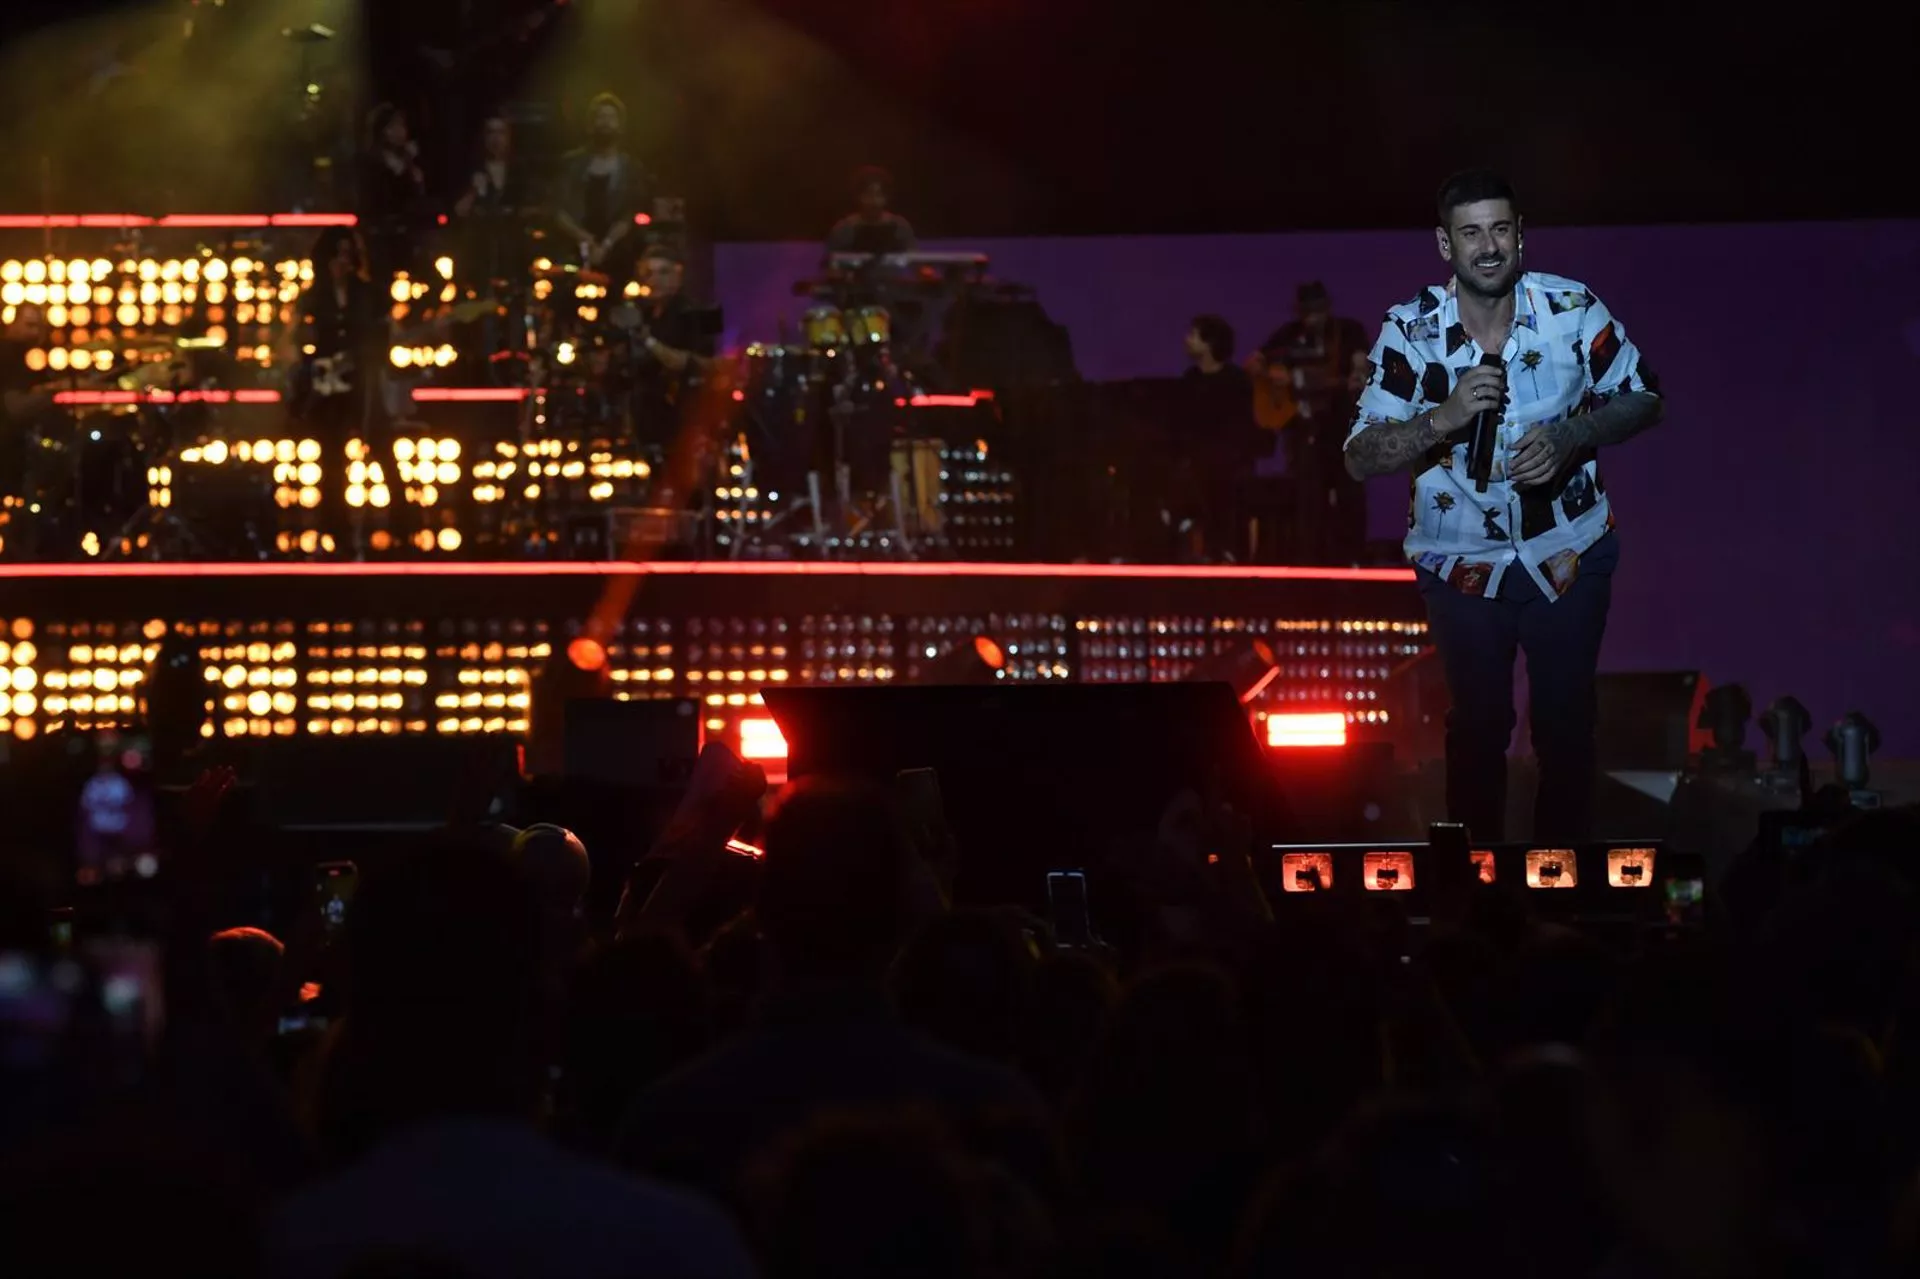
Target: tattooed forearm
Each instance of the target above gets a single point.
(1388, 447)
(1617, 421)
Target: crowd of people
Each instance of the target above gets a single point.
(811, 1062)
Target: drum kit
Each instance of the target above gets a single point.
(99, 480)
(825, 421)
(803, 447)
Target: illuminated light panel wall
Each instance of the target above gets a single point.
(102, 309)
(467, 494)
(458, 649)
(1325, 663)
(100, 292)
(278, 679)
(242, 303)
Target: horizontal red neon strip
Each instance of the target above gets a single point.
(469, 394)
(41, 221)
(215, 219)
(712, 568)
(166, 397)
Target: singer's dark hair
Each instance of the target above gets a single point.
(1217, 334)
(377, 121)
(1470, 186)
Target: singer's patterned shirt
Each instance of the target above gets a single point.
(1566, 354)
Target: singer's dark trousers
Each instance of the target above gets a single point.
(1477, 639)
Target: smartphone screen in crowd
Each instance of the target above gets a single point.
(115, 831)
(333, 884)
(920, 799)
(1683, 901)
(1067, 901)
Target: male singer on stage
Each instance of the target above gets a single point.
(1496, 391)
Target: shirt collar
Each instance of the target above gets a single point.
(1525, 314)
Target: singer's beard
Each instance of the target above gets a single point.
(1469, 279)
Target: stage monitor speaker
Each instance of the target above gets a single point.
(643, 744)
(377, 783)
(1646, 720)
(1037, 777)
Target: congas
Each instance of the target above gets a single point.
(870, 326)
(917, 469)
(825, 328)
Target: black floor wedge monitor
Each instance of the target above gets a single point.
(1035, 777)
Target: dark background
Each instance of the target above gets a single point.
(1048, 117)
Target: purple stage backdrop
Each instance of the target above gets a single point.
(1761, 523)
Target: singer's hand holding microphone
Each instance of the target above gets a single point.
(1480, 389)
(1478, 402)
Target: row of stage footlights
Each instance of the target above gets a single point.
(1629, 876)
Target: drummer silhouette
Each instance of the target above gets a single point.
(872, 227)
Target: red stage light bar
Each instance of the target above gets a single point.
(711, 568)
(214, 220)
(967, 401)
(120, 221)
(470, 394)
(1288, 730)
(166, 397)
(515, 394)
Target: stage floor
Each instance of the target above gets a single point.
(455, 647)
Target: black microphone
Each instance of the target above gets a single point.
(1486, 427)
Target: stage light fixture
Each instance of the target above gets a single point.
(980, 660)
(587, 653)
(1384, 872)
(1306, 872)
(1291, 730)
(1724, 713)
(1248, 667)
(1785, 723)
(1631, 867)
(1853, 741)
(761, 741)
(1552, 868)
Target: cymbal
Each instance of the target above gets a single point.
(198, 344)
